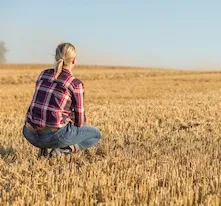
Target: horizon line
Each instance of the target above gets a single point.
(120, 66)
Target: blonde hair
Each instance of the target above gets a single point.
(65, 54)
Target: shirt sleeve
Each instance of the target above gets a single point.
(78, 104)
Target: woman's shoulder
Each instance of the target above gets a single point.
(77, 82)
(46, 73)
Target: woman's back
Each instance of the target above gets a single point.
(53, 100)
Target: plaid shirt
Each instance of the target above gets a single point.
(57, 101)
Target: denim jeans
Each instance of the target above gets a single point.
(84, 137)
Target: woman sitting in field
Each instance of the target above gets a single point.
(56, 118)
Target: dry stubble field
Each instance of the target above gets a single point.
(161, 140)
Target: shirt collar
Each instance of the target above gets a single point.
(66, 70)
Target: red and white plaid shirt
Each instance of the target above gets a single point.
(57, 101)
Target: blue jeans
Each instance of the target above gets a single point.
(84, 137)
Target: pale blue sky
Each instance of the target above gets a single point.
(164, 33)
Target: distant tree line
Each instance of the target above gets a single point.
(3, 51)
